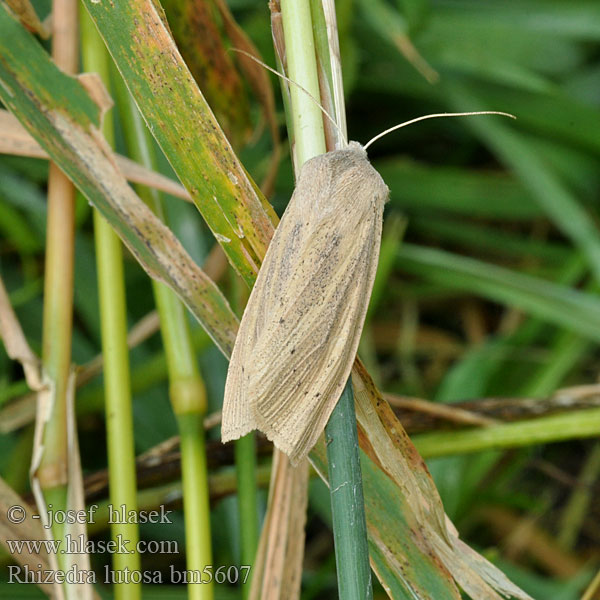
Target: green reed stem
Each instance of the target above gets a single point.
(186, 387)
(113, 317)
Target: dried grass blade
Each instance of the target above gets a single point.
(16, 140)
(278, 566)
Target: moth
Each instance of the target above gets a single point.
(300, 331)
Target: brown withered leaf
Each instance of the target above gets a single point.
(278, 566)
(75, 501)
(25, 12)
(15, 342)
(15, 139)
(13, 507)
(386, 442)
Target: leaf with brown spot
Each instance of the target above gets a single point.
(24, 10)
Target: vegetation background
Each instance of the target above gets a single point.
(487, 287)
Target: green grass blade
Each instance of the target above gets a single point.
(185, 128)
(566, 307)
(555, 199)
(65, 124)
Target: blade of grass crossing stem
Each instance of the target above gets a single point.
(351, 547)
(576, 424)
(186, 387)
(117, 392)
(239, 213)
(347, 502)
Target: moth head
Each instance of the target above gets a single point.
(360, 173)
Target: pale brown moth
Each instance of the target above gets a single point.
(301, 327)
(300, 331)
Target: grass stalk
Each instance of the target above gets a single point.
(579, 503)
(543, 430)
(245, 465)
(302, 68)
(351, 547)
(113, 317)
(195, 501)
(186, 387)
(347, 502)
(154, 370)
(58, 292)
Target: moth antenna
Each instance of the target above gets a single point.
(260, 62)
(435, 116)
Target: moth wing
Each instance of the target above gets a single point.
(278, 265)
(315, 328)
(237, 418)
